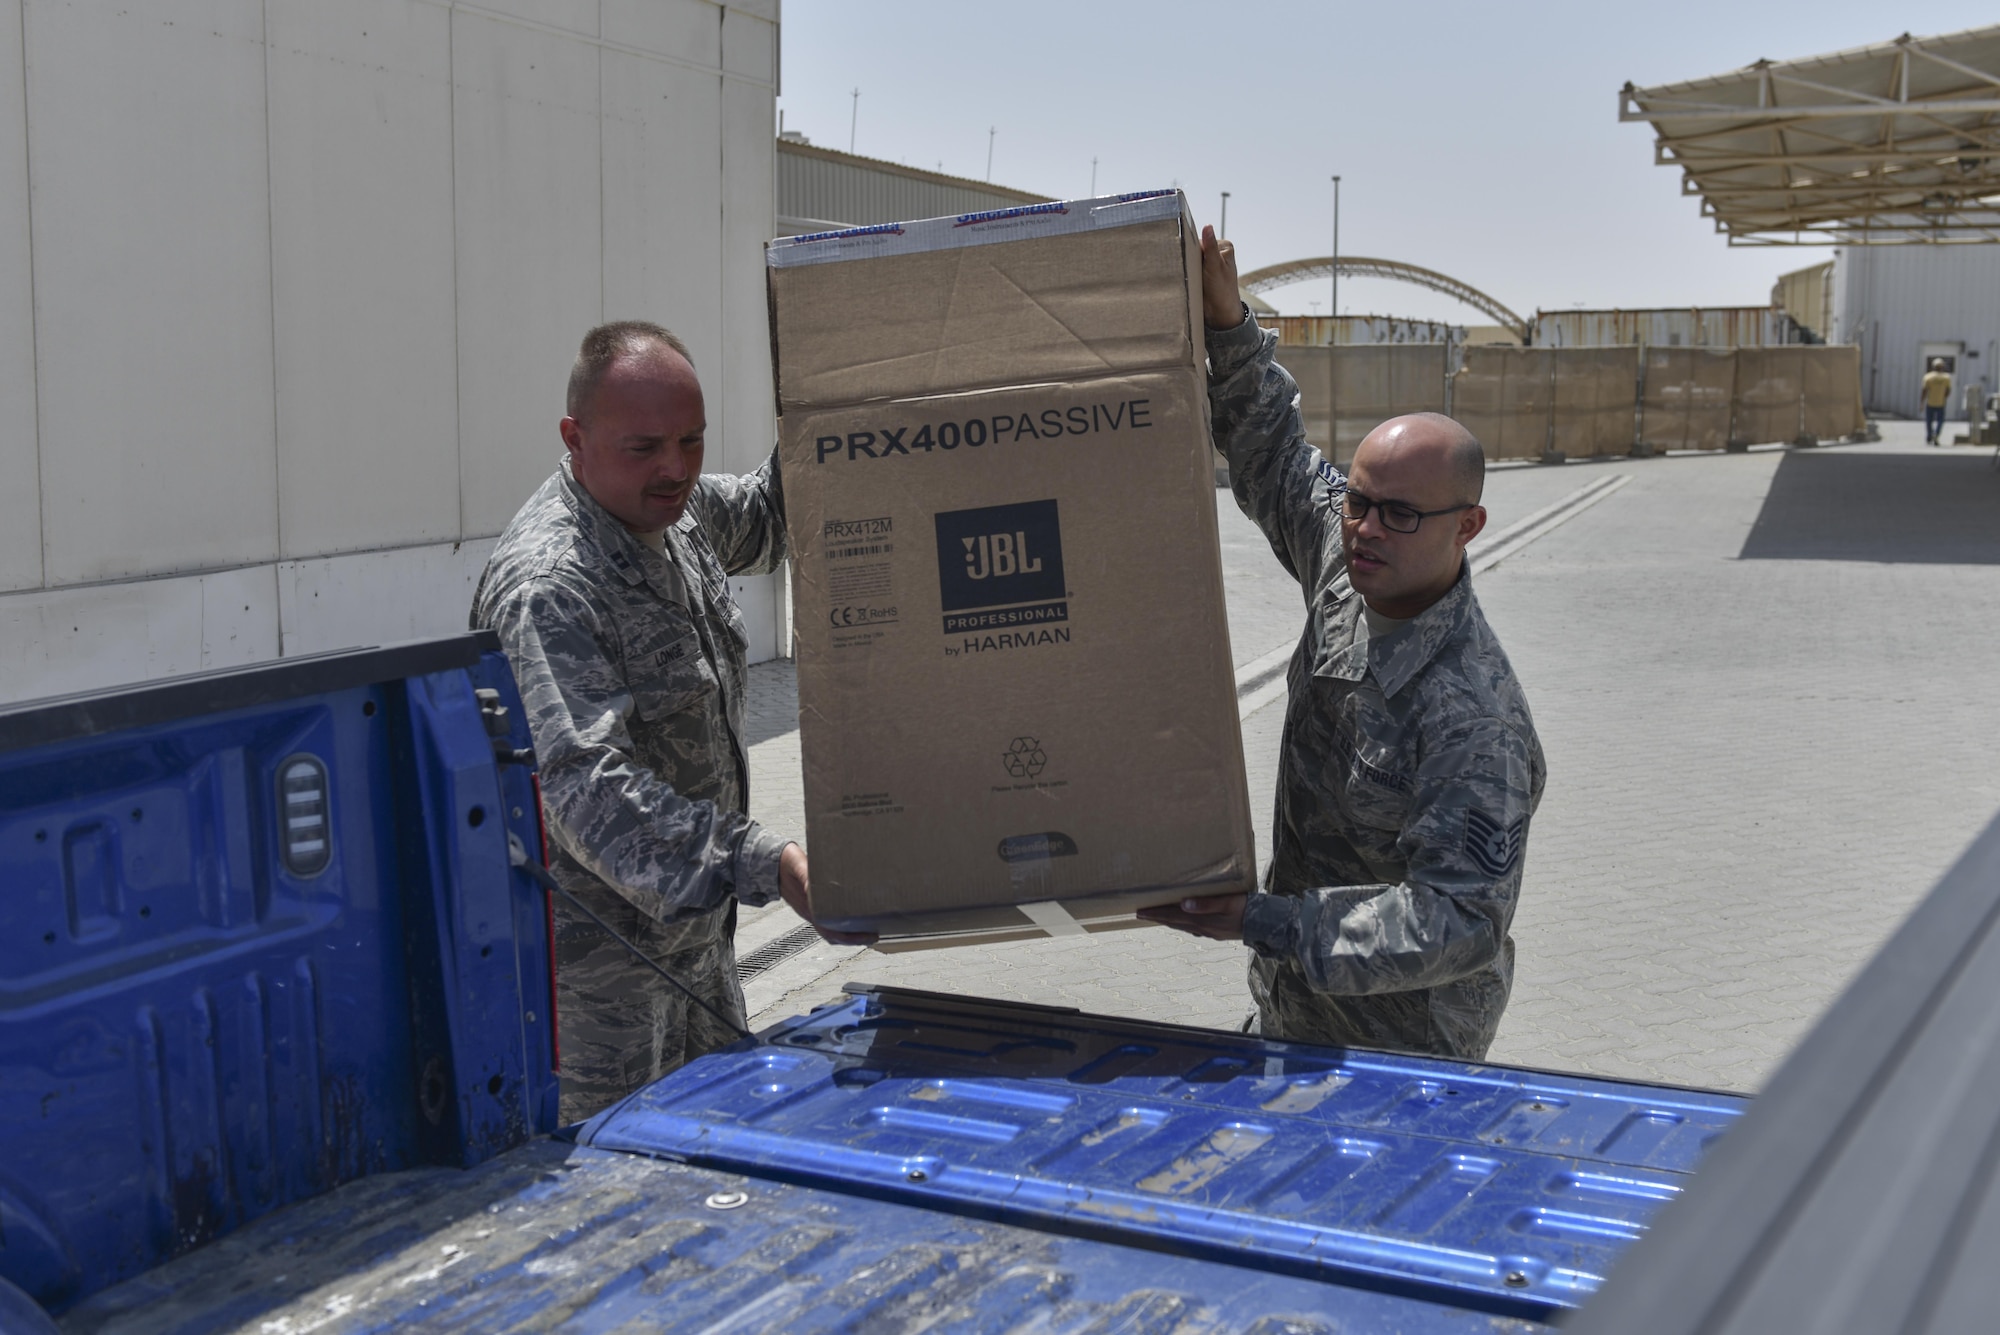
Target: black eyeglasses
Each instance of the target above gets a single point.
(1396, 516)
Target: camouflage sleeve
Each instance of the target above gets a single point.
(743, 516)
(1463, 842)
(1286, 487)
(666, 854)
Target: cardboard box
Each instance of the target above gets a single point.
(1017, 707)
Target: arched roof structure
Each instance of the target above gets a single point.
(1360, 266)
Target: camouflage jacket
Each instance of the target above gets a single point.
(1408, 772)
(632, 668)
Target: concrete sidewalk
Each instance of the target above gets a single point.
(1762, 681)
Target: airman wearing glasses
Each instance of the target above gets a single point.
(1409, 767)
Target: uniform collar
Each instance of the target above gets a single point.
(1396, 658)
(635, 562)
(1393, 659)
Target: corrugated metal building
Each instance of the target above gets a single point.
(819, 189)
(1674, 327)
(1905, 304)
(1806, 296)
(1318, 331)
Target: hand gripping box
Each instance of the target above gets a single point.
(1016, 701)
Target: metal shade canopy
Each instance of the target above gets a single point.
(1891, 144)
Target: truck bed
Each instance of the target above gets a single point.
(902, 1161)
(564, 1237)
(260, 935)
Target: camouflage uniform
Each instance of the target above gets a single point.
(1408, 773)
(631, 663)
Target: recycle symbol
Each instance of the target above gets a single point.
(1025, 758)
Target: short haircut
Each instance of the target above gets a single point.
(1468, 457)
(1468, 467)
(606, 344)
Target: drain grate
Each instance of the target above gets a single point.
(773, 953)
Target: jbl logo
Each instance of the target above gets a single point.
(998, 555)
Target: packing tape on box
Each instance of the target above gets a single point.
(1052, 918)
(972, 229)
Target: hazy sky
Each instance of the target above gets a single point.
(1482, 140)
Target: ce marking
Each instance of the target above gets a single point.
(842, 617)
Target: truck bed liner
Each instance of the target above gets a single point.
(903, 1161)
(1492, 1189)
(561, 1237)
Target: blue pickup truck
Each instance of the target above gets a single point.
(277, 1055)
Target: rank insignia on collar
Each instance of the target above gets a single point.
(1494, 847)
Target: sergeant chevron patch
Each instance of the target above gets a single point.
(1495, 847)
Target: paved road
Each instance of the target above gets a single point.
(1766, 685)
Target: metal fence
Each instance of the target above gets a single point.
(1524, 403)
(1534, 403)
(1687, 399)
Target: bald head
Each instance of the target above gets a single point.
(1435, 446)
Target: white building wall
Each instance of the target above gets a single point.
(1892, 300)
(20, 454)
(365, 311)
(150, 218)
(289, 292)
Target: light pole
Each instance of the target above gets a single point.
(1332, 326)
(1093, 178)
(1335, 308)
(990, 132)
(1225, 214)
(853, 119)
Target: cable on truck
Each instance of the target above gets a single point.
(517, 854)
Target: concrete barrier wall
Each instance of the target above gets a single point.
(1596, 401)
(1686, 400)
(1832, 380)
(1782, 393)
(1525, 402)
(1365, 385)
(1531, 403)
(1505, 396)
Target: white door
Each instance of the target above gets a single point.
(1951, 354)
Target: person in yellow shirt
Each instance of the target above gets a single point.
(1937, 393)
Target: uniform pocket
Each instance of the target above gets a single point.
(732, 621)
(723, 617)
(724, 614)
(664, 666)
